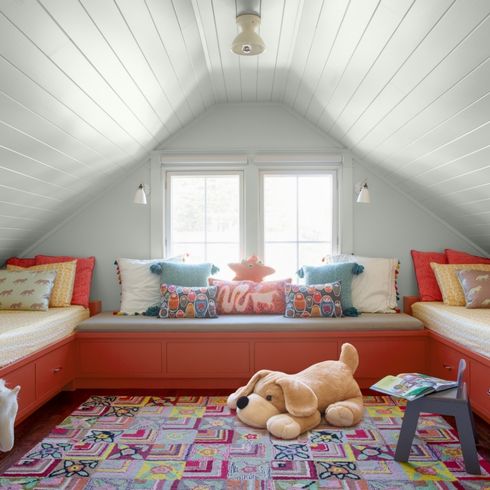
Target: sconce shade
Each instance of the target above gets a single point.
(364, 197)
(140, 195)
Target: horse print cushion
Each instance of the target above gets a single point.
(476, 287)
(249, 297)
(26, 290)
(188, 302)
(318, 300)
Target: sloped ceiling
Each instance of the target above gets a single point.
(89, 87)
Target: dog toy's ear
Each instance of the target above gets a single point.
(246, 390)
(349, 356)
(300, 399)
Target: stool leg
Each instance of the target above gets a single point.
(464, 424)
(407, 432)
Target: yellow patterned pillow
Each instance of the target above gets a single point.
(448, 282)
(63, 283)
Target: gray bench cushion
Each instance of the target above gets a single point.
(107, 322)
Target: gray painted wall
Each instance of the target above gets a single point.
(113, 226)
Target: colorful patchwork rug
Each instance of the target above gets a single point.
(136, 442)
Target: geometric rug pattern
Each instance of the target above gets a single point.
(148, 442)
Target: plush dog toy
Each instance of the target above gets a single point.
(288, 405)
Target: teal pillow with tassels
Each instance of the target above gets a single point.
(184, 274)
(342, 272)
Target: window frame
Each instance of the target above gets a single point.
(296, 171)
(201, 172)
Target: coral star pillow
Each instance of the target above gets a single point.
(250, 297)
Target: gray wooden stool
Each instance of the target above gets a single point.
(449, 402)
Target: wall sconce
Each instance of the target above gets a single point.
(363, 196)
(140, 195)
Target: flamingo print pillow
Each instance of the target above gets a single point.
(187, 302)
(26, 290)
(321, 300)
(248, 297)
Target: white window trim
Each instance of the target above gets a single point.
(251, 164)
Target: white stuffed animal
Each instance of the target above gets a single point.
(8, 412)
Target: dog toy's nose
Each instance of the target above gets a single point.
(242, 402)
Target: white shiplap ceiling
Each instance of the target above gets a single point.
(89, 87)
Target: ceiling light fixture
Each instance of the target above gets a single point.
(248, 42)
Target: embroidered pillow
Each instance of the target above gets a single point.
(375, 290)
(188, 302)
(63, 284)
(25, 290)
(448, 281)
(342, 272)
(457, 257)
(248, 297)
(21, 262)
(476, 287)
(426, 280)
(182, 274)
(83, 276)
(318, 300)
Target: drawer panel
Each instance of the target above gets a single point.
(222, 359)
(444, 361)
(292, 357)
(55, 369)
(480, 387)
(26, 378)
(118, 359)
(389, 355)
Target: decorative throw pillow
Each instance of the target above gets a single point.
(317, 300)
(181, 274)
(25, 289)
(457, 257)
(375, 290)
(140, 289)
(63, 284)
(476, 287)
(448, 281)
(251, 269)
(426, 280)
(83, 276)
(21, 262)
(330, 273)
(250, 297)
(188, 302)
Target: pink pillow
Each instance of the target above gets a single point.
(250, 297)
(426, 280)
(21, 262)
(83, 276)
(457, 257)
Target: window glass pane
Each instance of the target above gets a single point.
(280, 205)
(281, 256)
(222, 254)
(313, 253)
(195, 251)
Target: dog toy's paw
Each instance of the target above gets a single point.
(283, 427)
(339, 415)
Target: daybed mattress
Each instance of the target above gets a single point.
(107, 322)
(24, 332)
(468, 327)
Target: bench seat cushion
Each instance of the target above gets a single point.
(107, 322)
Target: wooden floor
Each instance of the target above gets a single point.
(39, 424)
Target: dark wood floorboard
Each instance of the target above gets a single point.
(39, 424)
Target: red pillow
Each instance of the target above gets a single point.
(83, 276)
(426, 280)
(21, 262)
(457, 257)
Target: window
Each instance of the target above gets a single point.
(205, 216)
(298, 219)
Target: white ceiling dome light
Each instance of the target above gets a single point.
(248, 42)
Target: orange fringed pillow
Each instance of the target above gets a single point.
(251, 269)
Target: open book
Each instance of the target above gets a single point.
(412, 385)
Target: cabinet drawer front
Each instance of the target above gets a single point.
(292, 357)
(25, 377)
(120, 358)
(222, 359)
(480, 387)
(55, 369)
(444, 361)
